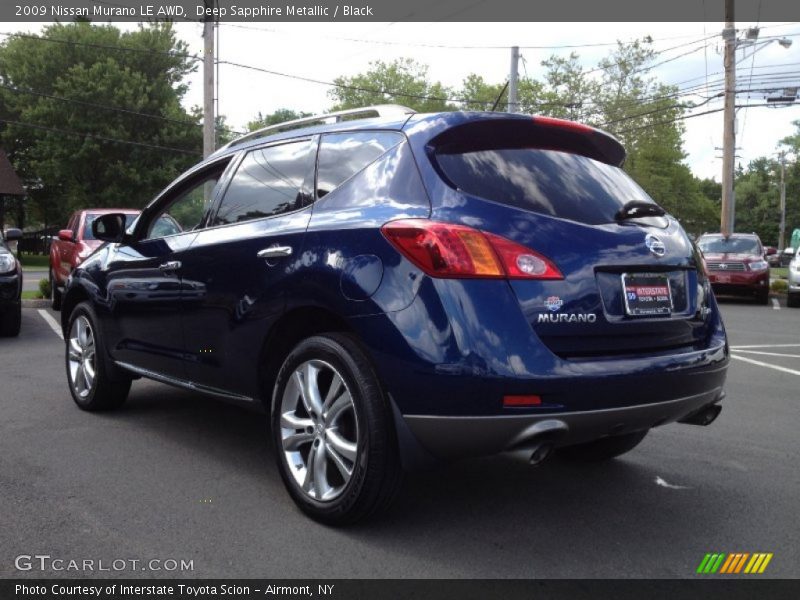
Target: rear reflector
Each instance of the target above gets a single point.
(456, 251)
(521, 401)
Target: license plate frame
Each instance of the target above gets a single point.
(644, 295)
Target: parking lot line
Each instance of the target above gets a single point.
(769, 353)
(775, 304)
(767, 365)
(51, 322)
(765, 346)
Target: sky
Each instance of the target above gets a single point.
(324, 51)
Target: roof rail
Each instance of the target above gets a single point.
(380, 110)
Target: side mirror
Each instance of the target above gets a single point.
(66, 235)
(12, 235)
(109, 228)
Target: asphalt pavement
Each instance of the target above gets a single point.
(178, 476)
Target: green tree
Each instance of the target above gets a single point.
(57, 146)
(403, 81)
(279, 116)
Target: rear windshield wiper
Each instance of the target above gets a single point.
(636, 209)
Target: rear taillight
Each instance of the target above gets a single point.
(457, 251)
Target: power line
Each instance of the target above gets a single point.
(457, 46)
(97, 137)
(19, 90)
(101, 46)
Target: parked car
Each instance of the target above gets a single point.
(10, 286)
(793, 296)
(73, 244)
(736, 265)
(404, 289)
(787, 255)
(771, 256)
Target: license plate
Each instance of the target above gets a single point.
(647, 294)
(721, 279)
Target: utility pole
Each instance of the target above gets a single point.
(782, 229)
(513, 79)
(208, 82)
(729, 133)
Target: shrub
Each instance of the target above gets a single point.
(779, 285)
(44, 288)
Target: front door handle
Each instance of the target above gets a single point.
(172, 265)
(275, 252)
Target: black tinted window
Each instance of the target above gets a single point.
(561, 184)
(342, 155)
(268, 182)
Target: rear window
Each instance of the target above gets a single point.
(551, 182)
(731, 245)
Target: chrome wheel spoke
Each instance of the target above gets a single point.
(292, 421)
(333, 393)
(321, 486)
(75, 351)
(342, 404)
(337, 459)
(347, 449)
(318, 430)
(294, 442)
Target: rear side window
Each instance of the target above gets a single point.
(269, 181)
(342, 155)
(551, 182)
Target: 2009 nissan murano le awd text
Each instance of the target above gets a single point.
(403, 289)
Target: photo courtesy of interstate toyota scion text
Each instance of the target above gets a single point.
(397, 290)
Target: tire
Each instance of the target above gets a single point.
(55, 293)
(85, 354)
(11, 321)
(793, 300)
(604, 448)
(344, 431)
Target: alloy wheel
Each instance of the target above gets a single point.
(319, 430)
(82, 358)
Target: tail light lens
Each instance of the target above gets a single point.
(457, 251)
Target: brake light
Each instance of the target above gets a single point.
(457, 251)
(563, 124)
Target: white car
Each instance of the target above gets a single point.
(793, 299)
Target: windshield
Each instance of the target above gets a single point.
(90, 218)
(731, 245)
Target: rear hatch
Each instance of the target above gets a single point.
(631, 283)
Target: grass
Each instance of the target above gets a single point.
(35, 260)
(31, 295)
(779, 273)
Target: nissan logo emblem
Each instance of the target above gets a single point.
(655, 245)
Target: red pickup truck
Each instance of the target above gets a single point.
(74, 244)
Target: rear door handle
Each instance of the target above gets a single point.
(275, 252)
(172, 265)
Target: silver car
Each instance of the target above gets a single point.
(793, 299)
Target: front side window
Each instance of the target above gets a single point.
(342, 155)
(185, 212)
(269, 181)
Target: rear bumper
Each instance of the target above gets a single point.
(447, 437)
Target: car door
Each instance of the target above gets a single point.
(240, 265)
(144, 282)
(65, 249)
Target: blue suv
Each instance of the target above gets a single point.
(402, 289)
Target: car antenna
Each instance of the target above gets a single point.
(496, 102)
